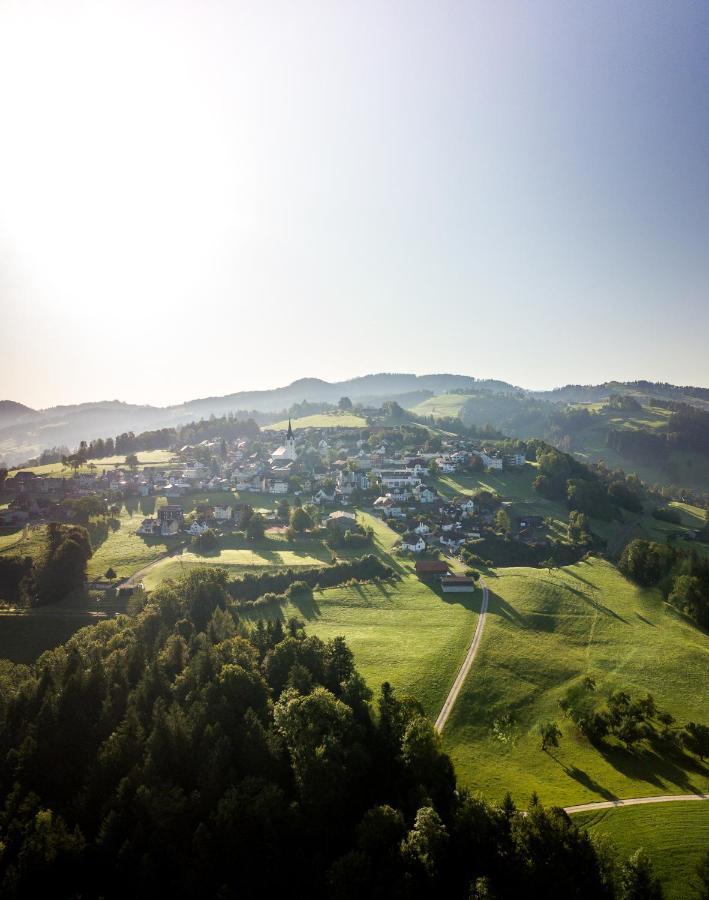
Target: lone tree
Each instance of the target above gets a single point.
(256, 527)
(548, 564)
(110, 574)
(132, 461)
(344, 403)
(300, 521)
(550, 734)
(696, 739)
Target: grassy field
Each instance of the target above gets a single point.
(442, 406)
(22, 541)
(156, 458)
(675, 836)
(542, 634)
(322, 420)
(119, 547)
(406, 632)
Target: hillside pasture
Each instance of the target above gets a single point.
(146, 458)
(543, 633)
(321, 420)
(442, 406)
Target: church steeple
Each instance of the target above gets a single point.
(289, 434)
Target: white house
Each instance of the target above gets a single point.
(413, 542)
(424, 494)
(149, 527)
(422, 528)
(197, 528)
(274, 485)
(449, 540)
(347, 481)
(490, 462)
(223, 513)
(392, 478)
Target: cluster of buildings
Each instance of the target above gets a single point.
(325, 466)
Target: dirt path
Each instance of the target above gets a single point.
(133, 579)
(465, 668)
(633, 801)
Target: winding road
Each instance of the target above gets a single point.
(465, 668)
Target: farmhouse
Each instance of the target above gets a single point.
(427, 568)
(456, 584)
(223, 513)
(342, 521)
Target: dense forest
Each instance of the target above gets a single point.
(188, 752)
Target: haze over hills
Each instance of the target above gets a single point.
(25, 432)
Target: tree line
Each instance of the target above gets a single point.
(682, 575)
(58, 571)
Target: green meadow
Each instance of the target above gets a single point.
(321, 420)
(674, 835)
(542, 634)
(442, 406)
(150, 458)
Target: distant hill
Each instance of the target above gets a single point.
(25, 432)
(10, 410)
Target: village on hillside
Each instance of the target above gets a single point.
(393, 472)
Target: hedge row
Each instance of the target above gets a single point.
(364, 568)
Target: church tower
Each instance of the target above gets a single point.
(290, 443)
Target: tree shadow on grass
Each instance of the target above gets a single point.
(584, 779)
(655, 763)
(307, 606)
(579, 577)
(499, 607)
(595, 604)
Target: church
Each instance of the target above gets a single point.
(287, 451)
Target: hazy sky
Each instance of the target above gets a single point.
(198, 198)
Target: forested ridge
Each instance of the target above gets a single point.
(186, 752)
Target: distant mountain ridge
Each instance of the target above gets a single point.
(25, 432)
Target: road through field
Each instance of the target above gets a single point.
(465, 668)
(633, 801)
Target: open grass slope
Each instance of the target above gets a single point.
(321, 420)
(118, 546)
(543, 632)
(150, 458)
(675, 836)
(442, 406)
(404, 632)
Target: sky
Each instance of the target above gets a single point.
(198, 198)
